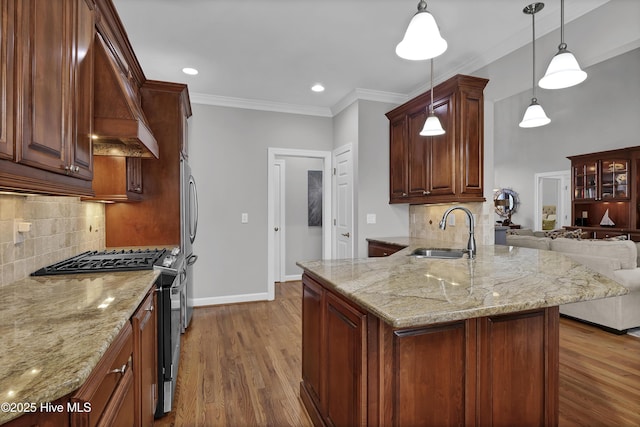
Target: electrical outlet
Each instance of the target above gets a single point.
(244, 218)
(371, 218)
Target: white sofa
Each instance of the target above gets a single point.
(616, 259)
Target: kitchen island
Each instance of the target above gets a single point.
(408, 341)
(54, 330)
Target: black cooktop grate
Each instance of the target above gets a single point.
(94, 261)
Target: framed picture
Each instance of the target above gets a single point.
(314, 198)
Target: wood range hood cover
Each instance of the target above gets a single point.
(120, 125)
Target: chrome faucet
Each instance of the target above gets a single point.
(471, 244)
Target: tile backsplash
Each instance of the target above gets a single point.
(60, 228)
(424, 220)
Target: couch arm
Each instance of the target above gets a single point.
(604, 266)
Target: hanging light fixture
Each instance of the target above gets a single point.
(534, 116)
(432, 126)
(563, 70)
(422, 40)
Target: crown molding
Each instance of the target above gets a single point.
(359, 94)
(254, 104)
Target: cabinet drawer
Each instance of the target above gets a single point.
(105, 380)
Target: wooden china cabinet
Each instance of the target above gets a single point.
(444, 168)
(606, 181)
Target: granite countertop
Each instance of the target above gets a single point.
(54, 330)
(406, 291)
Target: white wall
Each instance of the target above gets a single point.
(373, 177)
(228, 156)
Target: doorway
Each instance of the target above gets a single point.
(276, 227)
(553, 189)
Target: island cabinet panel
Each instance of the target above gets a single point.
(429, 373)
(518, 365)
(443, 168)
(499, 370)
(333, 358)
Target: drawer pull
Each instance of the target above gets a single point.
(150, 308)
(120, 371)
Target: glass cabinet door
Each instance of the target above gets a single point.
(614, 179)
(585, 181)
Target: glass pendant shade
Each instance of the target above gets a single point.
(534, 116)
(563, 71)
(422, 40)
(432, 126)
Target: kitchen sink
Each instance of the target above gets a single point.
(437, 253)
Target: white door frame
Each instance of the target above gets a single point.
(280, 240)
(326, 205)
(563, 213)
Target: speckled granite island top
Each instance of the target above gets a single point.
(405, 291)
(54, 329)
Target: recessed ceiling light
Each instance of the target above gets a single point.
(317, 87)
(190, 71)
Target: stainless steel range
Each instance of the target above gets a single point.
(172, 301)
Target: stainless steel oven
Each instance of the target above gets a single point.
(171, 305)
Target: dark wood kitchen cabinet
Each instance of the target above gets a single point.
(443, 168)
(107, 397)
(117, 179)
(47, 96)
(167, 108)
(145, 360)
(498, 370)
(377, 248)
(333, 357)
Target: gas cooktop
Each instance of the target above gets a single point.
(106, 261)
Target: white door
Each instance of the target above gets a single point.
(344, 236)
(278, 220)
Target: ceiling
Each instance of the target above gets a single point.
(270, 52)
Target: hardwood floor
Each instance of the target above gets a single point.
(240, 366)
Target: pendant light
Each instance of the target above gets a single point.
(563, 70)
(534, 116)
(432, 126)
(422, 40)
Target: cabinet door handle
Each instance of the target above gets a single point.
(426, 193)
(120, 370)
(346, 234)
(150, 308)
(404, 194)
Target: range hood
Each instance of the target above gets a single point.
(120, 126)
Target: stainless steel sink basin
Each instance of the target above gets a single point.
(437, 253)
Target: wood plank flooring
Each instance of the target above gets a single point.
(241, 363)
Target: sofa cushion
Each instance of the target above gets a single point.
(624, 251)
(630, 279)
(529, 242)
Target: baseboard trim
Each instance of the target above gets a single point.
(230, 299)
(293, 277)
